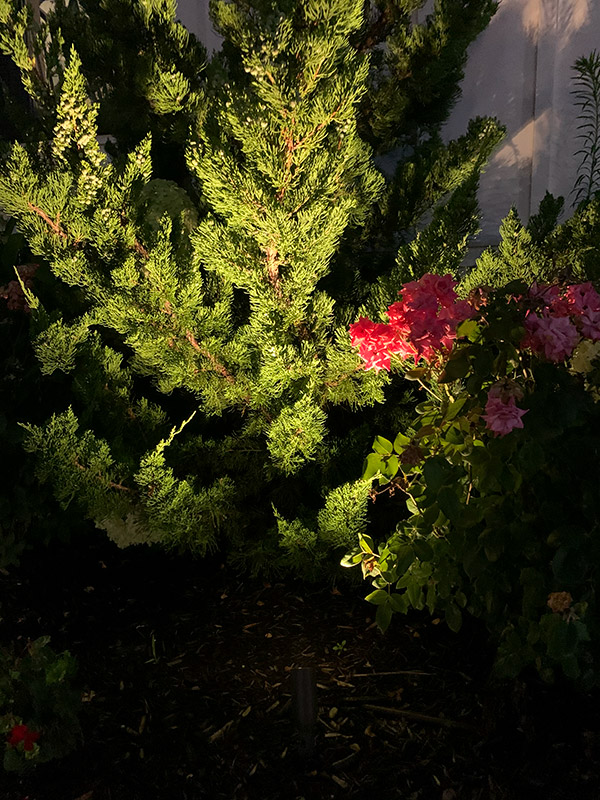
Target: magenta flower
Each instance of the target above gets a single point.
(553, 337)
(502, 417)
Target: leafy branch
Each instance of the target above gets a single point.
(587, 99)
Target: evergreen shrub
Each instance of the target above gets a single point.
(211, 263)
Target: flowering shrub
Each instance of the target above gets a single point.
(38, 706)
(499, 468)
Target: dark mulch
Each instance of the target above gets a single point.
(186, 672)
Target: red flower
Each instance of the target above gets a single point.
(21, 733)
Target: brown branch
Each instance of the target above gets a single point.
(139, 248)
(112, 484)
(416, 715)
(330, 384)
(377, 32)
(273, 264)
(216, 365)
(54, 225)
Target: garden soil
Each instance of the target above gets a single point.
(186, 676)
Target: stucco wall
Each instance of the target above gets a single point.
(519, 70)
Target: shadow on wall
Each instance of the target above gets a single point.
(520, 70)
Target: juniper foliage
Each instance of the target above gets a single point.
(214, 391)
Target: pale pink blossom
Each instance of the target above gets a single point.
(502, 417)
(553, 337)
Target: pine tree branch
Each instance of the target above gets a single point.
(54, 225)
(111, 484)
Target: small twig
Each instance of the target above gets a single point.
(396, 672)
(54, 225)
(112, 484)
(403, 712)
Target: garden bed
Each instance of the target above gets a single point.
(186, 668)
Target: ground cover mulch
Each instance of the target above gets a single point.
(186, 668)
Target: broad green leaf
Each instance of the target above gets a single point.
(456, 368)
(406, 557)
(382, 445)
(372, 466)
(468, 329)
(450, 505)
(383, 617)
(399, 602)
(423, 550)
(414, 592)
(431, 598)
(351, 559)
(569, 566)
(436, 471)
(412, 506)
(415, 374)
(366, 544)
(455, 408)
(390, 467)
(400, 442)
(378, 597)
(453, 617)
(570, 666)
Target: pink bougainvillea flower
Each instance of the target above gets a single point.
(21, 733)
(502, 417)
(583, 297)
(589, 323)
(421, 326)
(553, 337)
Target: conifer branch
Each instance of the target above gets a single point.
(273, 264)
(54, 225)
(216, 365)
(111, 484)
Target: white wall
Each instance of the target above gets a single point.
(519, 70)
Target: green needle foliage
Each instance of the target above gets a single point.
(214, 390)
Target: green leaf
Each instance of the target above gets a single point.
(455, 408)
(372, 465)
(414, 592)
(453, 617)
(456, 368)
(450, 505)
(423, 550)
(415, 374)
(390, 466)
(468, 329)
(406, 557)
(400, 442)
(436, 471)
(399, 602)
(366, 544)
(431, 598)
(383, 617)
(382, 445)
(378, 597)
(412, 506)
(351, 559)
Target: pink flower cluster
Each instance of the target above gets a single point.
(562, 317)
(421, 326)
(501, 413)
